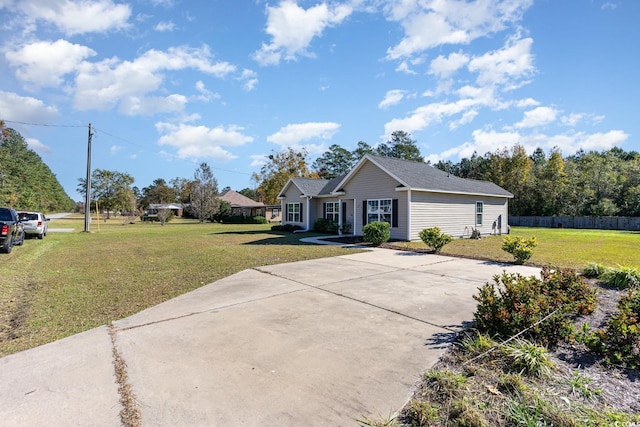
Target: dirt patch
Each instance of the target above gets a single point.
(15, 313)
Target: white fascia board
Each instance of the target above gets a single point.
(465, 193)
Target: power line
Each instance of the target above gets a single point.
(42, 124)
(121, 139)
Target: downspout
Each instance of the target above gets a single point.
(308, 211)
(408, 215)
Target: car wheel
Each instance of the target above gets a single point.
(41, 235)
(7, 248)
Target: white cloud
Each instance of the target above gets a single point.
(436, 23)
(528, 102)
(258, 160)
(37, 146)
(26, 109)
(471, 98)
(538, 117)
(292, 135)
(509, 66)
(292, 28)
(202, 141)
(489, 141)
(609, 6)
(165, 26)
(45, 63)
(205, 94)
(572, 119)
(466, 118)
(392, 97)
(77, 17)
(444, 67)
(250, 79)
(115, 149)
(148, 106)
(104, 84)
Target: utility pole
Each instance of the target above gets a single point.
(87, 197)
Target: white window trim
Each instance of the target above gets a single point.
(379, 213)
(479, 212)
(293, 213)
(335, 212)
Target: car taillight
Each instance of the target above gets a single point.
(39, 223)
(5, 230)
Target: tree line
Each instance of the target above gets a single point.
(26, 182)
(605, 183)
(590, 183)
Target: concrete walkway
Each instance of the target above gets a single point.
(313, 343)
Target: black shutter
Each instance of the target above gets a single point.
(301, 219)
(394, 213)
(324, 210)
(364, 213)
(344, 213)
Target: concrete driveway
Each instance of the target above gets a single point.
(313, 343)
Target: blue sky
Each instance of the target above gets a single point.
(168, 84)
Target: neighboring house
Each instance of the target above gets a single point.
(411, 196)
(176, 208)
(242, 205)
(273, 213)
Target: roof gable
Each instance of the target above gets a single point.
(237, 200)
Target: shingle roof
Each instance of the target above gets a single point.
(421, 176)
(237, 200)
(412, 175)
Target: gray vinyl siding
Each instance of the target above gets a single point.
(372, 183)
(455, 214)
(293, 196)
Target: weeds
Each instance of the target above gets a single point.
(529, 358)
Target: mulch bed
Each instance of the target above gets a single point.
(620, 387)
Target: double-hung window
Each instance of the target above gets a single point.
(293, 212)
(479, 212)
(379, 210)
(332, 211)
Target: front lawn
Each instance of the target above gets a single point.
(560, 247)
(71, 282)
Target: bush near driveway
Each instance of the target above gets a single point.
(376, 232)
(512, 303)
(434, 238)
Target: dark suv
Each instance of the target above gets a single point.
(11, 230)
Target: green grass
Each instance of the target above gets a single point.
(567, 248)
(71, 282)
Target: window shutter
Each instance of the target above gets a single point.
(301, 219)
(324, 210)
(344, 213)
(394, 213)
(364, 213)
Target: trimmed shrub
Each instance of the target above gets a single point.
(434, 238)
(519, 247)
(376, 232)
(259, 220)
(513, 303)
(286, 227)
(619, 341)
(323, 225)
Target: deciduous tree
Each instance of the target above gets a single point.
(204, 200)
(278, 170)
